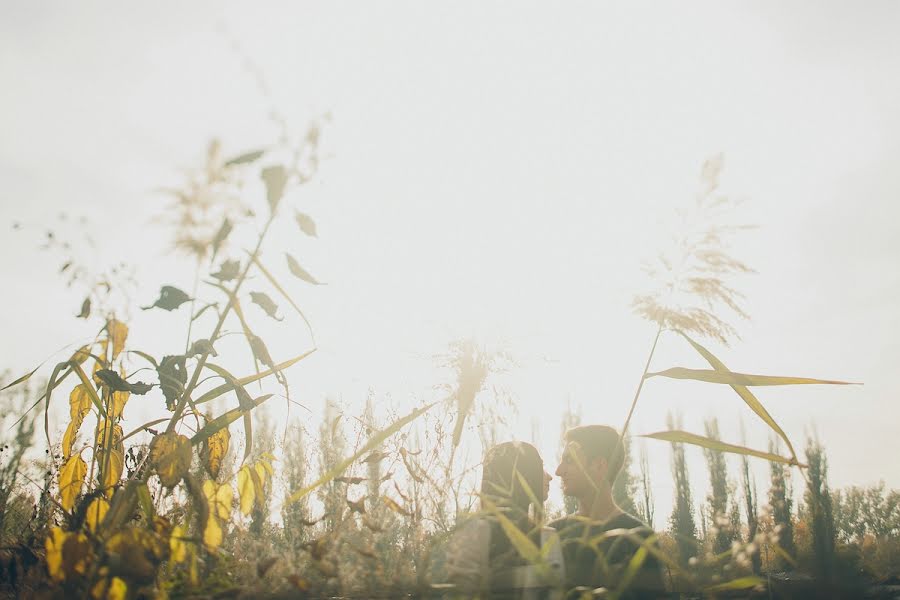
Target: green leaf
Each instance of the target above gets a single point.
(262, 300)
(225, 420)
(170, 298)
(731, 378)
(228, 270)
(374, 442)
(741, 583)
(683, 437)
(227, 387)
(246, 158)
(745, 394)
(21, 379)
(299, 271)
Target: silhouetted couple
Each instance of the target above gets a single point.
(506, 551)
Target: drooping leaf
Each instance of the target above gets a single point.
(115, 383)
(203, 346)
(85, 309)
(220, 237)
(286, 296)
(146, 357)
(246, 158)
(307, 225)
(172, 378)
(177, 547)
(170, 456)
(228, 270)
(203, 310)
(213, 451)
(299, 271)
(81, 355)
(220, 498)
(275, 179)
(118, 333)
(731, 378)
(373, 442)
(71, 479)
(261, 352)
(350, 480)
(684, 437)
(264, 302)
(170, 298)
(246, 489)
(21, 379)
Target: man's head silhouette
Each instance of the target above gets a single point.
(591, 461)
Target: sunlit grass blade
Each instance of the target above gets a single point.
(741, 583)
(145, 356)
(745, 394)
(684, 437)
(92, 393)
(225, 420)
(51, 384)
(143, 427)
(227, 387)
(284, 294)
(21, 379)
(732, 378)
(373, 442)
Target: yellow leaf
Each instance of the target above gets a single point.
(118, 333)
(744, 379)
(118, 400)
(81, 355)
(110, 466)
(134, 554)
(79, 407)
(110, 589)
(53, 544)
(262, 474)
(96, 510)
(177, 547)
(214, 449)
(219, 497)
(71, 478)
(683, 437)
(246, 489)
(212, 533)
(170, 455)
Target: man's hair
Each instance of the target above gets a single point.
(599, 441)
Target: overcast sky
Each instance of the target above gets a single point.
(493, 170)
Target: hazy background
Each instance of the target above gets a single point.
(493, 170)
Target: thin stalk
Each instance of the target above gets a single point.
(637, 392)
(187, 342)
(182, 402)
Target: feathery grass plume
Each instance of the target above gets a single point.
(689, 286)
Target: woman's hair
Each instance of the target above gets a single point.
(513, 481)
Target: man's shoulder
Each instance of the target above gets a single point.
(626, 520)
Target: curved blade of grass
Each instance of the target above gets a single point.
(372, 443)
(244, 401)
(21, 379)
(227, 387)
(143, 427)
(225, 420)
(634, 566)
(741, 583)
(145, 356)
(745, 394)
(50, 385)
(92, 393)
(684, 437)
(285, 295)
(732, 378)
(520, 541)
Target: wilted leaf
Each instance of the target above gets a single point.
(299, 271)
(177, 547)
(118, 333)
(21, 379)
(266, 303)
(85, 309)
(246, 489)
(376, 456)
(95, 512)
(220, 499)
(170, 455)
(115, 383)
(229, 270)
(275, 179)
(202, 347)
(71, 479)
(260, 351)
(81, 355)
(247, 158)
(307, 225)
(731, 378)
(684, 437)
(67, 554)
(172, 377)
(213, 451)
(170, 298)
(221, 235)
(134, 554)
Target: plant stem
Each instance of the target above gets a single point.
(179, 408)
(637, 392)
